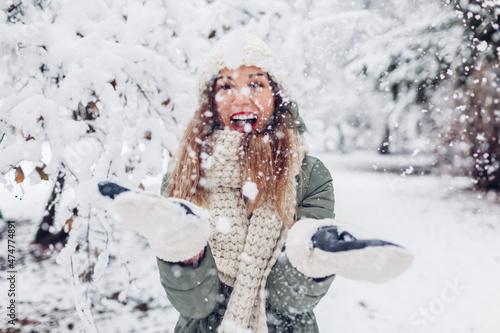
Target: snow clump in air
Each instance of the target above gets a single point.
(250, 190)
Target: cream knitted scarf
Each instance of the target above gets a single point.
(245, 249)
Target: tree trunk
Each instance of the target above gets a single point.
(384, 145)
(479, 128)
(44, 236)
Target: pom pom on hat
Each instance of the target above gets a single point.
(242, 48)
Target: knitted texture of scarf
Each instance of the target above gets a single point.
(245, 249)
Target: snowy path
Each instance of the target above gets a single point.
(453, 285)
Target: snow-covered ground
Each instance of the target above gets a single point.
(451, 287)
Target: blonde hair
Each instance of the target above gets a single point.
(268, 157)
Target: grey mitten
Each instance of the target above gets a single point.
(176, 229)
(319, 248)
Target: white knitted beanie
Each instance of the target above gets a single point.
(242, 48)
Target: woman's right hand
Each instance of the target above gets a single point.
(176, 229)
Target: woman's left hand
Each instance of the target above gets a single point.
(320, 248)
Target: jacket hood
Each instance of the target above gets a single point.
(301, 126)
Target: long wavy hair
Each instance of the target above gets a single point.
(268, 156)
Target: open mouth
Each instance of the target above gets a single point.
(244, 121)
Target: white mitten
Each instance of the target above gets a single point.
(176, 229)
(320, 248)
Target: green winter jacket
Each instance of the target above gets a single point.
(201, 299)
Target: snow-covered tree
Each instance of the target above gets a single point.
(438, 63)
(408, 60)
(91, 90)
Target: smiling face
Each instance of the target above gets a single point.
(244, 99)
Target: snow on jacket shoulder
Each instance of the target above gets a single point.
(201, 299)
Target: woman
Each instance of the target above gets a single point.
(231, 254)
